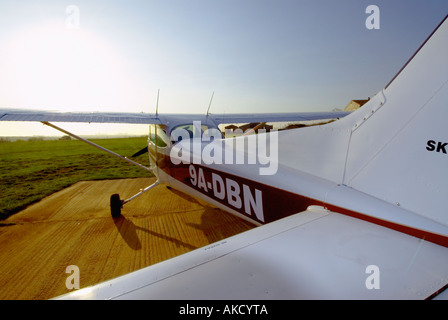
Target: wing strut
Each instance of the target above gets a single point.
(96, 146)
(141, 192)
(115, 202)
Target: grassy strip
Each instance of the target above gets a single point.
(32, 170)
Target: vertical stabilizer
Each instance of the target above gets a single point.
(395, 147)
(398, 149)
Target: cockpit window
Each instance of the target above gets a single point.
(190, 131)
(158, 136)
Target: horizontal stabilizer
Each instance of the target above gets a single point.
(315, 254)
(145, 118)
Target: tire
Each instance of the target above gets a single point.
(115, 205)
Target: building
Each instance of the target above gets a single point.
(355, 104)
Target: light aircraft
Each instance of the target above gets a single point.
(353, 209)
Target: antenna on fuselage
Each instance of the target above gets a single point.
(210, 104)
(157, 103)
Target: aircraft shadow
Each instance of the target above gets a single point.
(183, 195)
(128, 231)
(209, 214)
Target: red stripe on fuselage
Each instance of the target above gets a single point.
(276, 203)
(258, 201)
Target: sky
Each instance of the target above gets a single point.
(252, 55)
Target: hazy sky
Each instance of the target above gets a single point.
(256, 55)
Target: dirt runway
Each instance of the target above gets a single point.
(74, 227)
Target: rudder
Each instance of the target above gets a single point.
(399, 143)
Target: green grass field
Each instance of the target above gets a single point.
(31, 170)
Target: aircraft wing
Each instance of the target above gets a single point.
(146, 118)
(96, 117)
(276, 117)
(316, 254)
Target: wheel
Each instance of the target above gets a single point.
(115, 205)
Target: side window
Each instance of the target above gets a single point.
(157, 136)
(190, 131)
(188, 128)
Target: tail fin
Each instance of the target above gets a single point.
(396, 146)
(399, 153)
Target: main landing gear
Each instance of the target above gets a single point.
(116, 204)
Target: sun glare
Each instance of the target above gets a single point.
(54, 67)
